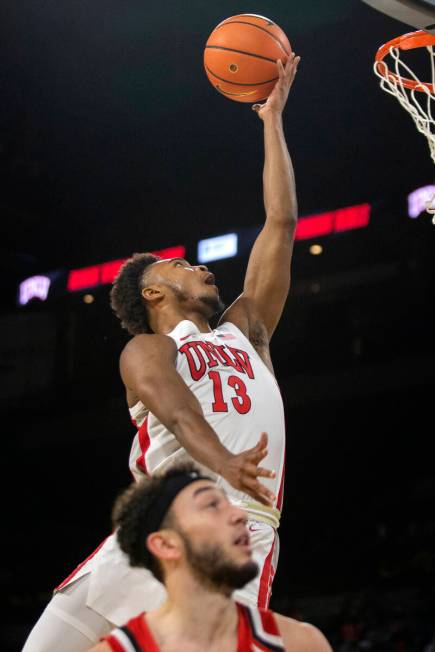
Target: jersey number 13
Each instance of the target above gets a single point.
(241, 400)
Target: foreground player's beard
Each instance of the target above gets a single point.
(214, 569)
(213, 305)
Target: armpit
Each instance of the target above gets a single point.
(259, 339)
(258, 335)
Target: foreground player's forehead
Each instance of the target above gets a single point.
(197, 494)
(202, 495)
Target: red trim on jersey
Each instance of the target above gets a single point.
(281, 488)
(266, 580)
(79, 567)
(114, 644)
(139, 628)
(244, 633)
(140, 632)
(144, 443)
(248, 636)
(269, 622)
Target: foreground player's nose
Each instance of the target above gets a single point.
(202, 268)
(238, 515)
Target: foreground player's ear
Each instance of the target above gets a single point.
(152, 293)
(164, 545)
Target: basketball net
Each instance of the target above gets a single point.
(415, 96)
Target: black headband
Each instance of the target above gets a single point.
(158, 509)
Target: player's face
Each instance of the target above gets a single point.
(215, 535)
(191, 284)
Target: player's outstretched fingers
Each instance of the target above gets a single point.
(257, 107)
(259, 492)
(259, 451)
(254, 471)
(265, 473)
(262, 442)
(255, 458)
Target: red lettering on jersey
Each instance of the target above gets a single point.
(242, 402)
(205, 355)
(243, 359)
(228, 361)
(211, 354)
(196, 371)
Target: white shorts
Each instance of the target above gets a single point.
(105, 591)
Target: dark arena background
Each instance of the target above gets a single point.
(113, 141)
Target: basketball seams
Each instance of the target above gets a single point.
(263, 29)
(249, 54)
(237, 83)
(218, 88)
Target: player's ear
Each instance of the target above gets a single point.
(152, 293)
(164, 545)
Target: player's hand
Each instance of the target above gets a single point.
(242, 472)
(277, 99)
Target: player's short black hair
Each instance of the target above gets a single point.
(131, 510)
(125, 296)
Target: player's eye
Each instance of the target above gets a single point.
(213, 504)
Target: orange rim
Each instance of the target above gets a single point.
(410, 41)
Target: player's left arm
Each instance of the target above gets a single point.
(267, 281)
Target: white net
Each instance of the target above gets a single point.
(395, 78)
(417, 101)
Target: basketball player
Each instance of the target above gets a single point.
(197, 393)
(184, 529)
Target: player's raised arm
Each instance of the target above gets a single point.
(148, 370)
(267, 280)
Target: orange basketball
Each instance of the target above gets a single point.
(240, 57)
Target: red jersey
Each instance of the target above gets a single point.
(257, 631)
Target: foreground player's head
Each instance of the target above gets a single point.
(181, 522)
(146, 283)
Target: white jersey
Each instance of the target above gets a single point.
(240, 399)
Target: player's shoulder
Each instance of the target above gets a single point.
(301, 637)
(147, 343)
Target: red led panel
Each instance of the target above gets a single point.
(105, 273)
(86, 277)
(352, 217)
(343, 219)
(313, 226)
(171, 252)
(110, 270)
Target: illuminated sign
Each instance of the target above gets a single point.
(342, 219)
(418, 199)
(105, 273)
(35, 287)
(223, 246)
(217, 248)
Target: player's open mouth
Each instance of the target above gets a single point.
(242, 540)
